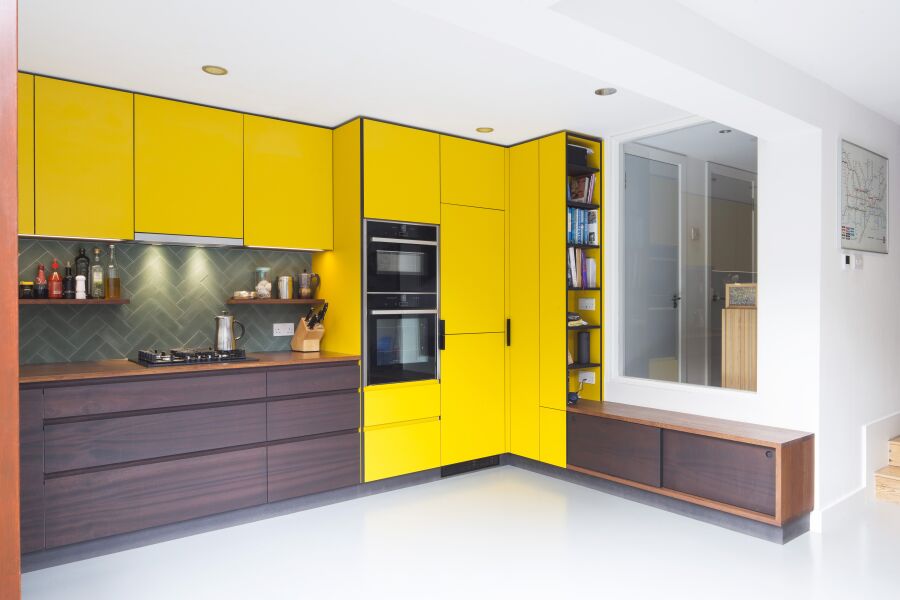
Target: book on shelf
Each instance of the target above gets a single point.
(582, 226)
(580, 188)
(581, 270)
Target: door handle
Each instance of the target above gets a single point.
(675, 299)
(508, 333)
(441, 334)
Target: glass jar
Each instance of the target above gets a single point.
(263, 282)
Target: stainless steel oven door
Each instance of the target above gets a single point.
(401, 345)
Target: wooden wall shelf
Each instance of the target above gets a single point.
(62, 302)
(306, 301)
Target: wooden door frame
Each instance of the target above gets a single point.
(9, 310)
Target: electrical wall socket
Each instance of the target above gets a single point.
(587, 377)
(586, 304)
(281, 329)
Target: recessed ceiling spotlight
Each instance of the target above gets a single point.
(215, 70)
(607, 91)
(484, 129)
(724, 131)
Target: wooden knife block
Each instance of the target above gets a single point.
(307, 340)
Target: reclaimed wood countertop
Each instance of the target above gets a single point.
(106, 369)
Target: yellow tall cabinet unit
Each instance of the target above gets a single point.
(188, 177)
(84, 156)
(287, 184)
(25, 152)
(401, 173)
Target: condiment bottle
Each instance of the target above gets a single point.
(113, 283)
(96, 287)
(80, 293)
(40, 282)
(55, 284)
(82, 264)
(68, 283)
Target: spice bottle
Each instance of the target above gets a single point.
(68, 283)
(55, 285)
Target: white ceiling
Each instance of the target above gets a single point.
(323, 62)
(853, 46)
(736, 149)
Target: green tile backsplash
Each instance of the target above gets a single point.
(175, 292)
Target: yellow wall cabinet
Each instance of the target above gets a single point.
(83, 157)
(287, 184)
(25, 152)
(188, 171)
(392, 450)
(472, 402)
(524, 290)
(472, 173)
(472, 269)
(401, 173)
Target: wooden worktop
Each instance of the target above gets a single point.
(749, 433)
(105, 369)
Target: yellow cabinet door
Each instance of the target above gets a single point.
(396, 402)
(84, 160)
(401, 173)
(553, 436)
(524, 289)
(25, 152)
(472, 402)
(552, 265)
(401, 448)
(188, 176)
(472, 173)
(287, 184)
(472, 269)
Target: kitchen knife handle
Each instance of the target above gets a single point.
(508, 333)
(441, 328)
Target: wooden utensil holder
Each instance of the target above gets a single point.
(307, 340)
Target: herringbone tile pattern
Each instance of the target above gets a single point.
(175, 292)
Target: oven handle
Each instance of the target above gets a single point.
(441, 335)
(404, 241)
(404, 311)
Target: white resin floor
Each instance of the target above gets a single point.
(498, 533)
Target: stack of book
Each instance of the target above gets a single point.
(581, 188)
(581, 270)
(581, 227)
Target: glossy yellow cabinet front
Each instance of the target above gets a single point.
(398, 402)
(401, 173)
(472, 401)
(398, 449)
(472, 173)
(84, 158)
(25, 152)
(472, 269)
(287, 184)
(188, 177)
(553, 436)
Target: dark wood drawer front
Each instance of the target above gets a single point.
(94, 505)
(97, 398)
(616, 448)
(86, 444)
(31, 475)
(312, 415)
(312, 380)
(311, 466)
(731, 472)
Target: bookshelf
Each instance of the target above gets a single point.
(579, 294)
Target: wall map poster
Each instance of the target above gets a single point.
(864, 200)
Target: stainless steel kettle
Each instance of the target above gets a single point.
(225, 339)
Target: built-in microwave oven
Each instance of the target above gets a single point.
(401, 301)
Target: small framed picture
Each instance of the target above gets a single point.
(740, 295)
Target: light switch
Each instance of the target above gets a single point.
(857, 262)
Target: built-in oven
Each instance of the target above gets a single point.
(401, 338)
(401, 301)
(401, 257)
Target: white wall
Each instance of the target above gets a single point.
(828, 339)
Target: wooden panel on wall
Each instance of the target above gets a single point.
(617, 448)
(97, 398)
(312, 466)
(32, 465)
(731, 472)
(86, 444)
(94, 505)
(9, 321)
